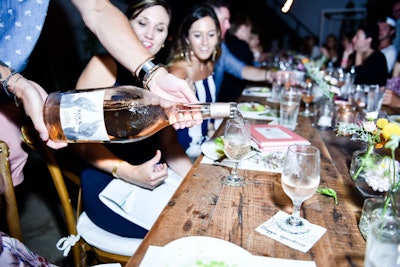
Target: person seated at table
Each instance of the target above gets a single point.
(259, 55)
(330, 49)
(139, 163)
(237, 41)
(391, 97)
(370, 64)
(310, 48)
(387, 27)
(227, 62)
(196, 48)
(346, 55)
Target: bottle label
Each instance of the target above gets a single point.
(220, 110)
(82, 116)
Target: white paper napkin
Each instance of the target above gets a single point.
(139, 205)
(302, 242)
(153, 251)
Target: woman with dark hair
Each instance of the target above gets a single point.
(195, 51)
(370, 64)
(140, 164)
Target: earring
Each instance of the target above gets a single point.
(214, 55)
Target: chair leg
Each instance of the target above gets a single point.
(11, 211)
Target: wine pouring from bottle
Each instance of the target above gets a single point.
(120, 114)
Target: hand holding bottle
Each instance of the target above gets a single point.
(170, 87)
(32, 96)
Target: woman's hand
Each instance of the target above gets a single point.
(148, 175)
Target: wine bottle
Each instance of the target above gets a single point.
(120, 114)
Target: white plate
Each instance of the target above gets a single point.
(249, 107)
(209, 149)
(266, 114)
(257, 91)
(202, 251)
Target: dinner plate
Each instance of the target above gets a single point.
(257, 91)
(209, 149)
(249, 110)
(202, 251)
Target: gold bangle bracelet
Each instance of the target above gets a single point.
(115, 169)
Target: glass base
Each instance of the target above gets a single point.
(307, 113)
(233, 180)
(293, 226)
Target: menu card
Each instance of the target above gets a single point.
(302, 242)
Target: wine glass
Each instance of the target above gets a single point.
(236, 146)
(300, 179)
(307, 96)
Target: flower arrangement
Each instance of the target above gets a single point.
(382, 171)
(325, 83)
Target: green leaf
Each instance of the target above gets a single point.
(328, 192)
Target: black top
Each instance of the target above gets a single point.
(232, 87)
(373, 71)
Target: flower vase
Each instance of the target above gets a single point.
(359, 172)
(371, 211)
(324, 113)
(383, 240)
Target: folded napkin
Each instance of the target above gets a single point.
(136, 204)
(302, 242)
(153, 251)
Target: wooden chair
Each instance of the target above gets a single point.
(10, 201)
(94, 240)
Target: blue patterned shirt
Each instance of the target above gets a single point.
(21, 22)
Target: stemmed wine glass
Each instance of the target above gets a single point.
(300, 179)
(236, 146)
(307, 96)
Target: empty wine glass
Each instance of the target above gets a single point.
(307, 96)
(300, 180)
(236, 146)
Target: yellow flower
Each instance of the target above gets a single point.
(390, 129)
(305, 60)
(382, 122)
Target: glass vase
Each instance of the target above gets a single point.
(324, 114)
(383, 243)
(358, 171)
(372, 210)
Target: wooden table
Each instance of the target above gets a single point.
(202, 206)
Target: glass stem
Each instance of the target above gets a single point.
(295, 218)
(234, 168)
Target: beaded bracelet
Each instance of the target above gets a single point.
(115, 169)
(4, 83)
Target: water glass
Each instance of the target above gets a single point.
(289, 108)
(375, 97)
